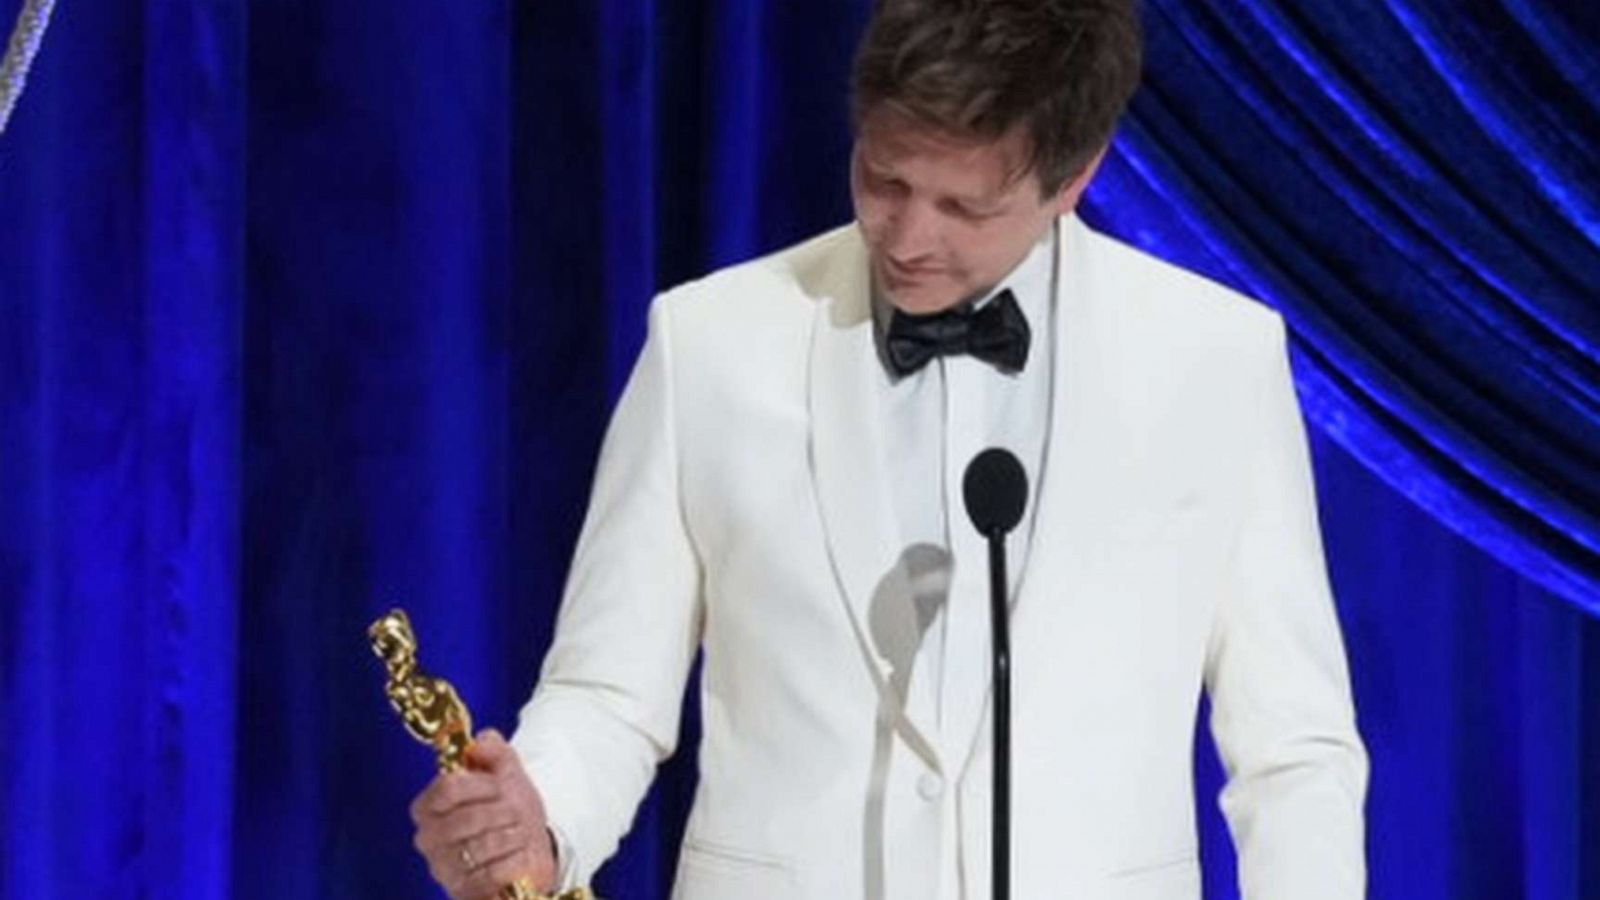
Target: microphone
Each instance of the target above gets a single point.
(996, 490)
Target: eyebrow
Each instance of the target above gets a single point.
(976, 202)
(986, 203)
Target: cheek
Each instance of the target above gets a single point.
(967, 252)
(870, 213)
(992, 256)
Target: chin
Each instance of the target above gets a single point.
(920, 301)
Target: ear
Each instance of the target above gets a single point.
(1071, 192)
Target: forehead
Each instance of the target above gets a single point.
(958, 163)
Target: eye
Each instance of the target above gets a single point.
(885, 184)
(967, 212)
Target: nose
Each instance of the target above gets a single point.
(913, 232)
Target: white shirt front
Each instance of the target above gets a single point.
(938, 419)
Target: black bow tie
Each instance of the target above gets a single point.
(997, 333)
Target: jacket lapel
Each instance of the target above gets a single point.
(1078, 378)
(848, 467)
(1077, 347)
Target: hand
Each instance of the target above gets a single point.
(484, 827)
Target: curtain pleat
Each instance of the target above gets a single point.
(312, 309)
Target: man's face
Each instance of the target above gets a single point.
(945, 218)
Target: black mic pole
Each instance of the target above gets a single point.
(996, 490)
(1000, 631)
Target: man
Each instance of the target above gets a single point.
(780, 490)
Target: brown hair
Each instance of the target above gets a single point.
(1061, 69)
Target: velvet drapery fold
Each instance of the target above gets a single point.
(310, 309)
(1417, 187)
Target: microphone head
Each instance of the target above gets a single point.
(996, 490)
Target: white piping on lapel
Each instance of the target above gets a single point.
(1075, 358)
(847, 462)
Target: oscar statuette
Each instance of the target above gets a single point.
(433, 712)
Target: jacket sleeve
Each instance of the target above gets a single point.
(607, 706)
(1281, 710)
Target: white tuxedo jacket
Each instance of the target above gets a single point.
(739, 508)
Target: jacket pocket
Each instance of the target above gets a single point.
(1175, 878)
(714, 871)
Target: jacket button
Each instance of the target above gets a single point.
(930, 786)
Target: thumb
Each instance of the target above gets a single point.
(490, 752)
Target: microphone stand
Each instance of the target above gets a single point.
(996, 490)
(1000, 631)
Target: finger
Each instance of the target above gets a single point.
(466, 823)
(494, 845)
(483, 880)
(506, 870)
(459, 789)
(456, 870)
(490, 752)
(423, 804)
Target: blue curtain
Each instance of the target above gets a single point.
(1417, 187)
(312, 308)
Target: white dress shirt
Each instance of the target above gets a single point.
(938, 419)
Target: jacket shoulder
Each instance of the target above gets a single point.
(1185, 307)
(783, 284)
(742, 327)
